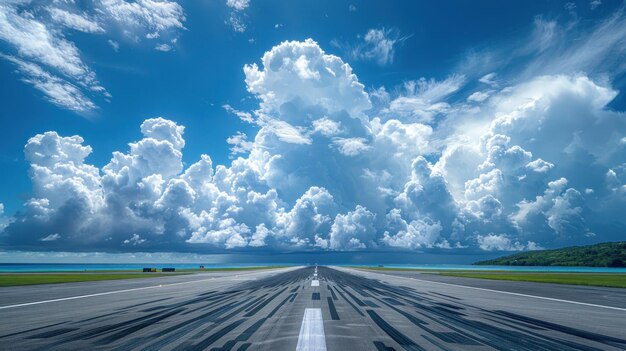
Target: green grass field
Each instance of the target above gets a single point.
(16, 279)
(375, 268)
(230, 269)
(178, 270)
(614, 280)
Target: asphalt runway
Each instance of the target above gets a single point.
(283, 309)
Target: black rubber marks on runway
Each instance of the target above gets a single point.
(380, 346)
(448, 322)
(394, 333)
(332, 292)
(333, 311)
(412, 320)
(196, 322)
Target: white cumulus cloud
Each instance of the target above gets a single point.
(324, 170)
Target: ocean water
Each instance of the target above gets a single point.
(78, 267)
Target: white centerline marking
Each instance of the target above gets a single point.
(508, 293)
(312, 336)
(110, 292)
(315, 283)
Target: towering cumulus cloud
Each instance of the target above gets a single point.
(538, 164)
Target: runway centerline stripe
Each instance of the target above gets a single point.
(312, 336)
(108, 293)
(508, 293)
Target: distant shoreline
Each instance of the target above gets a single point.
(473, 268)
(123, 267)
(606, 255)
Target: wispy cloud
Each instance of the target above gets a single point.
(552, 47)
(114, 45)
(77, 21)
(489, 79)
(239, 144)
(148, 15)
(163, 47)
(243, 116)
(479, 96)
(236, 18)
(236, 22)
(594, 4)
(56, 90)
(51, 237)
(423, 99)
(238, 5)
(477, 159)
(34, 40)
(378, 45)
(47, 59)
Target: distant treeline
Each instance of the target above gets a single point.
(599, 255)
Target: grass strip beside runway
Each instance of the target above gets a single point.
(230, 269)
(611, 280)
(614, 280)
(56, 278)
(135, 270)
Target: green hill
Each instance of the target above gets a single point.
(599, 255)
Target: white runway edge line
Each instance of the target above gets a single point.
(507, 292)
(108, 293)
(312, 331)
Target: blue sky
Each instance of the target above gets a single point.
(452, 128)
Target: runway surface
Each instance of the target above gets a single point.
(284, 309)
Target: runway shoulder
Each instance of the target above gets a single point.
(615, 297)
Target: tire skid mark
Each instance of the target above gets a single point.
(232, 318)
(351, 304)
(380, 346)
(138, 326)
(208, 341)
(52, 333)
(332, 292)
(263, 304)
(566, 330)
(333, 311)
(356, 299)
(444, 321)
(257, 301)
(174, 333)
(32, 330)
(293, 297)
(244, 336)
(394, 333)
(281, 304)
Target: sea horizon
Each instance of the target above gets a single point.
(78, 267)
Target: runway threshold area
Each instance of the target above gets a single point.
(312, 308)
